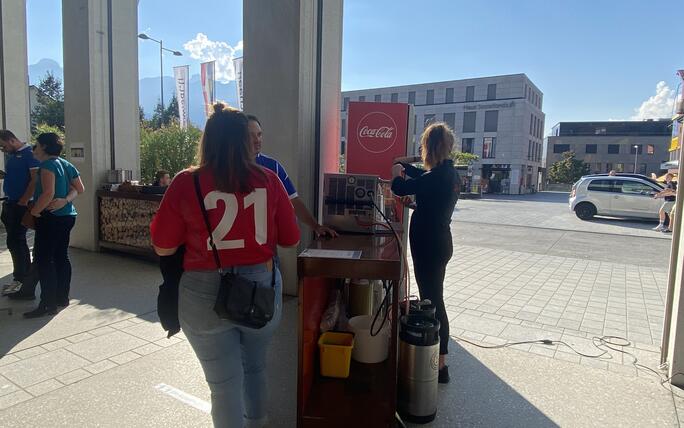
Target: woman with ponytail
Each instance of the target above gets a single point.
(436, 190)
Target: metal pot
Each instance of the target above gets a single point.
(119, 175)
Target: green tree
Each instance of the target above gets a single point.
(42, 128)
(461, 158)
(568, 170)
(50, 108)
(169, 148)
(164, 116)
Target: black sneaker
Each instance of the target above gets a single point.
(63, 304)
(444, 375)
(40, 311)
(21, 296)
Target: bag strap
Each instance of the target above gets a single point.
(205, 215)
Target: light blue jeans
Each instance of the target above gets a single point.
(233, 357)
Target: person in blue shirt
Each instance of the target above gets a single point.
(58, 185)
(302, 213)
(19, 182)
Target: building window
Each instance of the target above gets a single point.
(491, 91)
(469, 121)
(344, 128)
(467, 145)
(412, 97)
(430, 96)
(489, 148)
(638, 150)
(428, 119)
(600, 131)
(394, 97)
(609, 167)
(613, 149)
(362, 98)
(531, 125)
(450, 119)
(491, 121)
(346, 104)
(529, 150)
(650, 149)
(619, 167)
(470, 93)
(449, 98)
(561, 148)
(590, 148)
(643, 168)
(598, 167)
(378, 98)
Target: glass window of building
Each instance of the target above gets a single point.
(412, 97)
(469, 121)
(344, 127)
(449, 96)
(600, 131)
(635, 150)
(491, 91)
(609, 167)
(470, 93)
(467, 145)
(378, 98)
(531, 124)
(619, 167)
(489, 148)
(590, 148)
(346, 104)
(430, 96)
(643, 168)
(491, 121)
(650, 149)
(561, 148)
(598, 167)
(428, 119)
(362, 98)
(613, 149)
(450, 119)
(394, 97)
(529, 150)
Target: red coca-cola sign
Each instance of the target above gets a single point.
(376, 135)
(377, 132)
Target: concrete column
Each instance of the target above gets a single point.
(14, 94)
(292, 82)
(100, 98)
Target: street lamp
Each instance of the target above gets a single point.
(636, 155)
(144, 36)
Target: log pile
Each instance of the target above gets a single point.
(126, 221)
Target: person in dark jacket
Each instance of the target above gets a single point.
(436, 190)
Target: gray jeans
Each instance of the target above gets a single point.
(233, 357)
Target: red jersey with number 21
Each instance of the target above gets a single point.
(246, 227)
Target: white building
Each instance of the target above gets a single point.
(497, 118)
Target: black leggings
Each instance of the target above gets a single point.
(429, 266)
(52, 258)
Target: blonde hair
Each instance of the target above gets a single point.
(436, 144)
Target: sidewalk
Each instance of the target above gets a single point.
(104, 361)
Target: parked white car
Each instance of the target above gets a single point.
(626, 195)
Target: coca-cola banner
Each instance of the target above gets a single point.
(376, 135)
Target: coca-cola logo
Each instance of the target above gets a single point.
(377, 132)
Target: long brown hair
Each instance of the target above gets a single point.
(436, 144)
(225, 150)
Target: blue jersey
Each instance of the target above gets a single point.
(276, 167)
(18, 172)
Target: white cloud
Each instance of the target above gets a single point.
(658, 105)
(203, 49)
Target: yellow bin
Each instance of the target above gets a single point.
(335, 349)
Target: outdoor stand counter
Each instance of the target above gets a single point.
(367, 398)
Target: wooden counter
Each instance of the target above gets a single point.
(368, 396)
(124, 221)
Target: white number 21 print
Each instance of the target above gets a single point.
(256, 198)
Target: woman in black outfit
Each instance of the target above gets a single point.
(436, 190)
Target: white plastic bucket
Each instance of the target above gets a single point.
(369, 349)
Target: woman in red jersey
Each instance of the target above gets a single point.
(249, 213)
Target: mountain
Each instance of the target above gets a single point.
(149, 90)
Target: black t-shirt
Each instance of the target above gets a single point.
(671, 185)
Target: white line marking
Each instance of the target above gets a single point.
(184, 397)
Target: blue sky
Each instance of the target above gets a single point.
(593, 60)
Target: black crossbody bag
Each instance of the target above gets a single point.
(239, 300)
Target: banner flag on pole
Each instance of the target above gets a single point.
(208, 75)
(182, 75)
(237, 64)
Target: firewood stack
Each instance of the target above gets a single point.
(126, 221)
